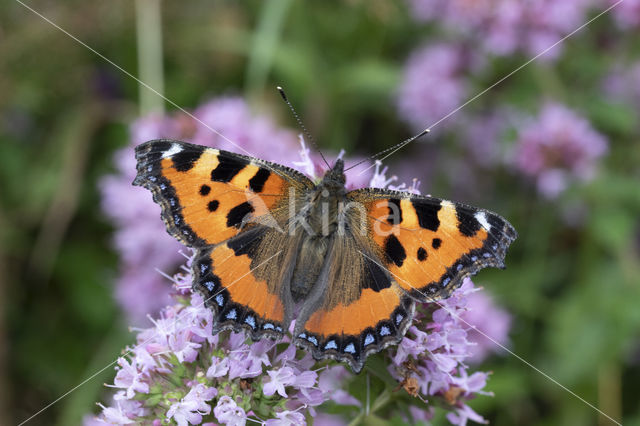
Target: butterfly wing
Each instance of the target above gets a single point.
(411, 247)
(220, 204)
(430, 245)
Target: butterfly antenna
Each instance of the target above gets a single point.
(392, 148)
(304, 129)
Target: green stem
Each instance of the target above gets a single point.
(149, 44)
(265, 40)
(382, 400)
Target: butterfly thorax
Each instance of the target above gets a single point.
(324, 201)
(321, 210)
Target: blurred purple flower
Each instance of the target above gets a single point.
(623, 83)
(433, 84)
(627, 13)
(492, 324)
(502, 27)
(558, 147)
(484, 135)
(420, 414)
(464, 414)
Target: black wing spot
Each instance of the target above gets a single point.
(247, 242)
(256, 183)
(238, 213)
(395, 212)
(184, 160)
(375, 277)
(427, 214)
(467, 223)
(436, 243)
(227, 168)
(205, 190)
(213, 205)
(394, 250)
(422, 254)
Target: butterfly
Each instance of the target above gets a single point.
(349, 266)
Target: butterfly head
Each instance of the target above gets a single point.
(334, 177)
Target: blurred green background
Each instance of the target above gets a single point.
(572, 286)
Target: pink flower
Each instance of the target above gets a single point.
(280, 378)
(180, 343)
(627, 13)
(490, 320)
(189, 410)
(502, 27)
(227, 412)
(558, 147)
(438, 66)
(437, 355)
(287, 418)
(219, 367)
(130, 378)
(463, 414)
(115, 415)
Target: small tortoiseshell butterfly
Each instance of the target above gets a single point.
(273, 246)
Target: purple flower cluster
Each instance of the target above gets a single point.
(503, 27)
(626, 13)
(623, 83)
(140, 236)
(430, 361)
(179, 370)
(557, 148)
(433, 84)
(490, 324)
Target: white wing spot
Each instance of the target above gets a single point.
(482, 218)
(369, 340)
(175, 148)
(251, 321)
(331, 345)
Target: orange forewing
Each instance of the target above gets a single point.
(197, 208)
(415, 273)
(429, 245)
